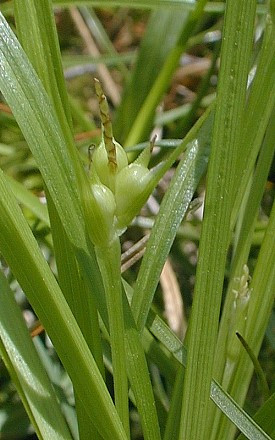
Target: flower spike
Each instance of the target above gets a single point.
(106, 124)
(118, 190)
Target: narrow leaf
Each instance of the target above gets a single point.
(203, 327)
(173, 208)
(21, 252)
(25, 367)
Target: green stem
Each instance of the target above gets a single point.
(109, 264)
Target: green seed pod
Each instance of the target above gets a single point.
(99, 209)
(105, 169)
(131, 192)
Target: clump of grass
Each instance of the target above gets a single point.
(109, 334)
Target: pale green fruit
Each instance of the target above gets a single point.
(131, 192)
(99, 207)
(106, 170)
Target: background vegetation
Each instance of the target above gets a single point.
(86, 352)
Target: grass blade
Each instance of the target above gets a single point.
(257, 367)
(226, 404)
(60, 167)
(25, 197)
(260, 306)
(262, 99)
(62, 171)
(264, 417)
(237, 46)
(26, 370)
(153, 53)
(145, 116)
(34, 275)
(243, 246)
(37, 32)
(179, 195)
(240, 418)
(260, 105)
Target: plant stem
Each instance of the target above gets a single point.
(109, 263)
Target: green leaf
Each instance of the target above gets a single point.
(36, 127)
(212, 7)
(241, 254)
(29, 200)
(38, 282)
(225, 403)
(62, 173)
(260, 306)
(37, 32)
(202, 333)
(144, 118)
(61, 382)
(109, 60)
(59, 165)
(26, 370)
(257, 366)
(175, 348)
(260, 104)
(265, 418)
(51, 150)
(153, 52)
(238, 416)
(173, 208)
(260, 107)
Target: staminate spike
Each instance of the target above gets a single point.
(106, 124)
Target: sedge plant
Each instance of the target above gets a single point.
(126, 368)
